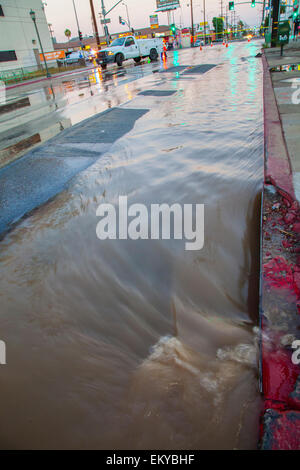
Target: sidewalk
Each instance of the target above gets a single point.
(53, 77)
(280, 261)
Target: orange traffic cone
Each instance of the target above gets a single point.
(200, 48)
(226, 44)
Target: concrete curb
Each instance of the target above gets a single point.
(16, 151)
(278, 170)
(280, 287)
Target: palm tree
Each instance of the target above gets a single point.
(68, 34)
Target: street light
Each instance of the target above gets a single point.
(33, 17)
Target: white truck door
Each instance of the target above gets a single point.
(130, 48)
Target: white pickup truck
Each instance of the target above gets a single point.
(129, 48)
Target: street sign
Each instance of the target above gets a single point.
(165, 5)
(284, 32)
(106, 21)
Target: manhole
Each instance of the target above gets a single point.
(203, 68)
(157, 92)
(177, 68)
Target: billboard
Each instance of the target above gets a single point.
(154, 21)
(53, 55)
(164, 5)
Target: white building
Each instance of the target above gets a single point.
(19, 45)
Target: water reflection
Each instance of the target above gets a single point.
(285, 68)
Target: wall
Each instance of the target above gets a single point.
(17, 32)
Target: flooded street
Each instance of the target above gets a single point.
(123, 344)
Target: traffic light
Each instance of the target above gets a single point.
(231, 5)
(80, 35)
(173, 29)
(295, 8)
(120, 20)
(253, 3)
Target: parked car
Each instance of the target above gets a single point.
(198, 43)
(74, 58)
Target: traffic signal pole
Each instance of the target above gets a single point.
(105, 25)
(79, 32)
(104, 14)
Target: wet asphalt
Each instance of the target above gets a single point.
(92, 101)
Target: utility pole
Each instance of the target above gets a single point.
(234, 22)
(221, 15)
(51, 31)
(263, 12)
(192, 20)
(204, 21)
(95, 23)
(226, 36)
(275, 17)
(169, 17)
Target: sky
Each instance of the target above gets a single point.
(60, 13)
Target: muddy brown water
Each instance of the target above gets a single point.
(141, 344)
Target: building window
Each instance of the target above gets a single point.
(1, 11)
(7, 56)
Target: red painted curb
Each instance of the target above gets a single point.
(280, 286)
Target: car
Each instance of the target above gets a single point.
(73, 58)
(198, 43)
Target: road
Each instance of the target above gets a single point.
(123, 344)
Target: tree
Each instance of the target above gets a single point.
(68, 34)
(218, 24)
(240, 25)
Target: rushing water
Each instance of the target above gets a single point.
(141, 344)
